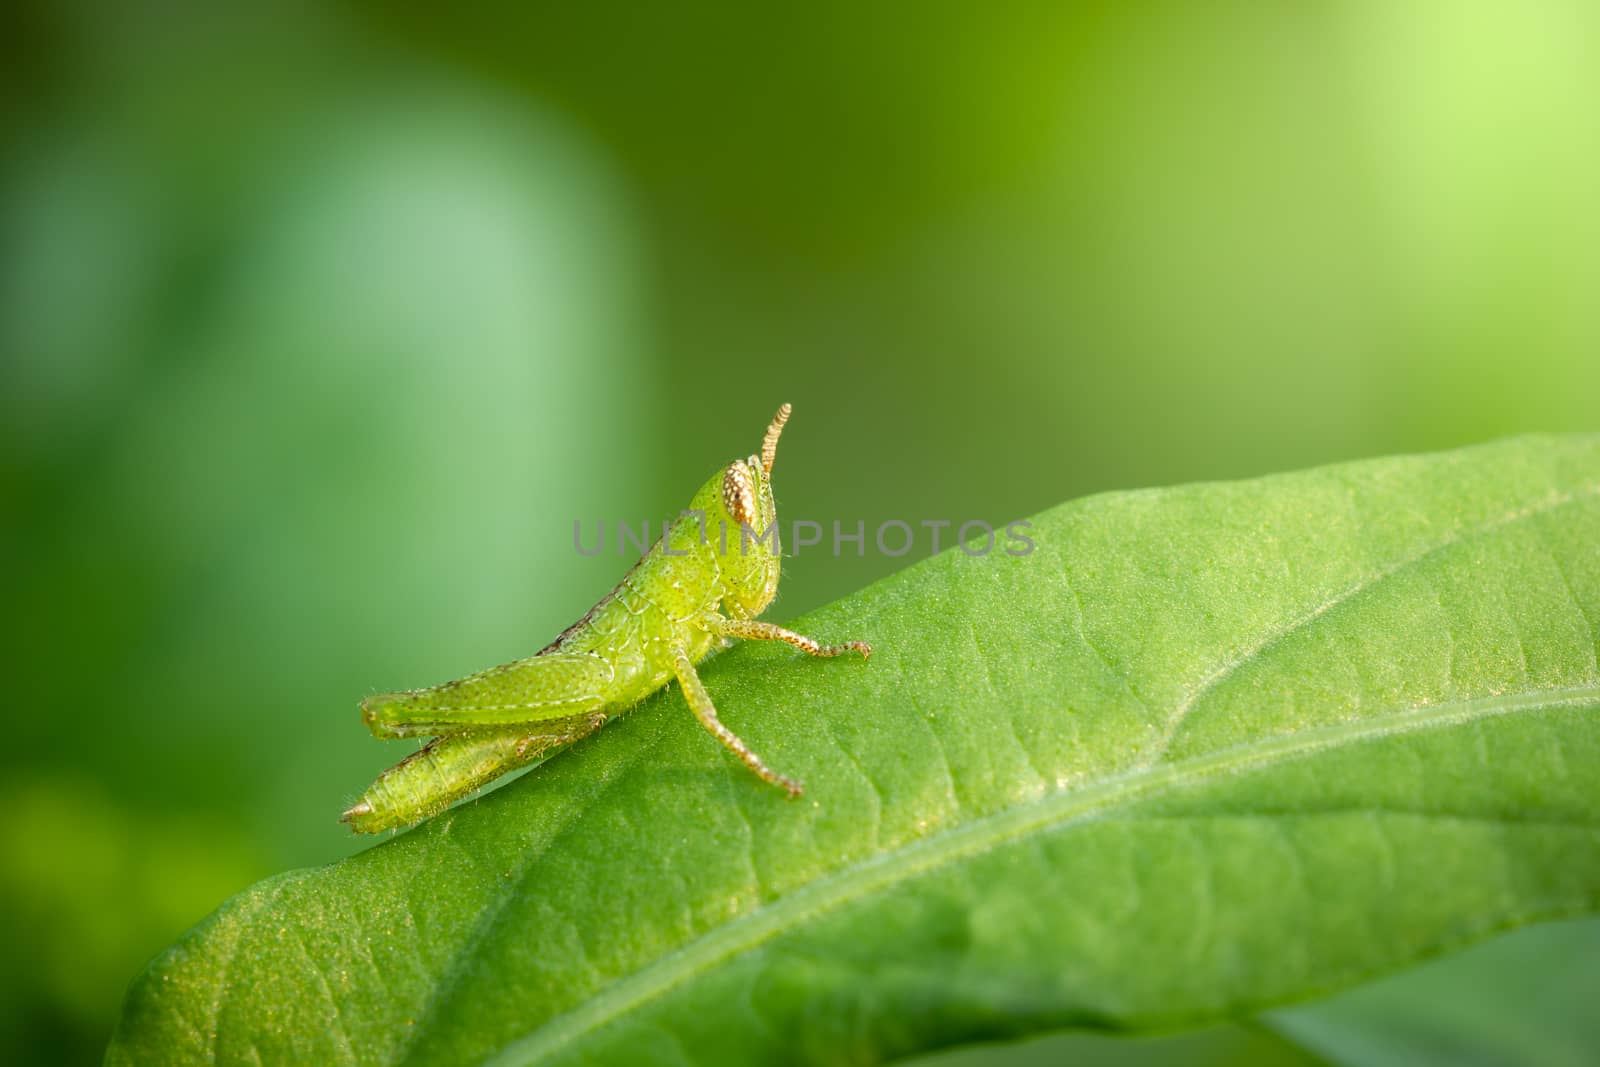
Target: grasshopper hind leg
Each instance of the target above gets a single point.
(451, 767)
(538, 689)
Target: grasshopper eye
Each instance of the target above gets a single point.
(739, 493)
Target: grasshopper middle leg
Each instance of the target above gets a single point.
(694, 691)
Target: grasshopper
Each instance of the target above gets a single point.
(691, 592)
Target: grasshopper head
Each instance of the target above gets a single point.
(751, 564)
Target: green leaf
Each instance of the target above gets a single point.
(1205, 750)
(1525, 998)
(1228, 1045)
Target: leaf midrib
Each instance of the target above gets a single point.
(1051, 812)
(1182, 711)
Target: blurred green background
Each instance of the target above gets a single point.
(321, 325)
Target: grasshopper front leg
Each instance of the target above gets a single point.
(755, 630)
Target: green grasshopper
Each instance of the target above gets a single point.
(692, 591)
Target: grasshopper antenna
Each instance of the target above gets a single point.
(769, 443)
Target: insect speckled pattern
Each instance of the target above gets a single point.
(694, 589)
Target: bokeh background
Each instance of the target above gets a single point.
(322, 324)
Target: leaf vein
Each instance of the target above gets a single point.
(1054, 811)
(1182, 711)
